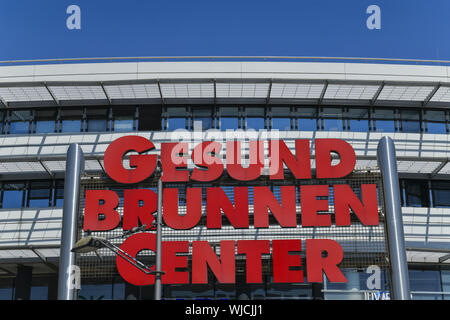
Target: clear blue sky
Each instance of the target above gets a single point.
(31, 29)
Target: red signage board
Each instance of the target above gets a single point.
(140, 204)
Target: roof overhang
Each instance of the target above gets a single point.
(225, 82)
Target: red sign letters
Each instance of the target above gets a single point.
(140, 204)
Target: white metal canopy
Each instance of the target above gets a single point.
(365, 93)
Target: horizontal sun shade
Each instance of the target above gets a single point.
(28, 253)
(187, 90)
(405, 93)
(366, 164)
(133, 91)
(445, 169)
(20, 167)
(341, 91)
(78, 92)
(92, 165)
(242, 90)
(15, 94)
(59, 165)
(55, 166)
(442, 95)
(296, 90)
(424, 256)
(417, 166)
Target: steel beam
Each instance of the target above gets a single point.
(394, 224)
(430, 96)
(158, 270)
(67, 262)
(376, 95)
(322, 94)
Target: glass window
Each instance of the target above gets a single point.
(45, 121)
(39, 293)
(358, 119)
(229, 123)
(384, 120)
(123, 124)
(332, 124)
(123, 119)
(445, 279)
(283, 124)
(202, 117)
(6, 289)
(97, 125)
(45, 126)
(71, 120)
(229, 118)
(284, 290)
(436, 121)
(353, 284)
(70, 125)
(97, 119)
(13, 195)
(39, 194)
(20, 121)
(176, 118)
(149, 118)
(95, 292)
(58, 194)
(332, 119)
(441, 193)
(306, 119)
(118, 291)
(196, 291)
(255, 123)
(307, 124)
(255, 118)
(176, 123)
(2, 123)
(425, 280)
(410, 121)
(281, 118)
(416, 193)
(224, 291)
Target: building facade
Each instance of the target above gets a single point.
(46, 107)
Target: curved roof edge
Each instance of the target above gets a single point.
(224, 82)
(114, 71)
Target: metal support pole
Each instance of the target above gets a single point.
(67, 262)
(158, 238)
(387, 162)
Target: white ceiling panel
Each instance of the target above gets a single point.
(351, 92)
(405, 93)
(56, 165)
(445, 169)
(21, 167)
(92, 165)
(242, 90)
(133, 91)
(77, 92)
(441, 95)
(187, 90)
(296, 90)
(424, 256)
(15, 94)
(417, 166)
